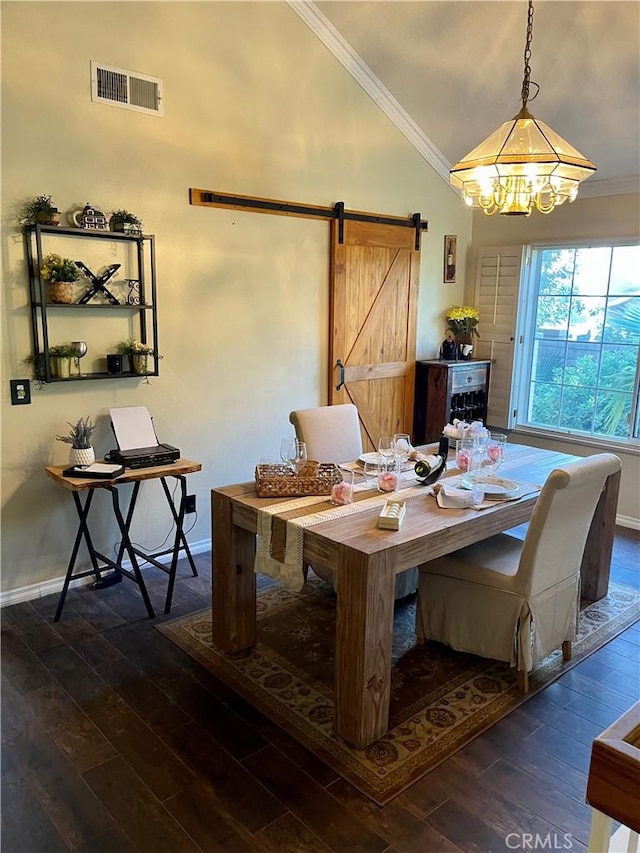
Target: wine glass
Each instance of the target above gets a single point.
(286, 450)
(371, 471)
(80, 350)
(495, 450)
(298, 455)
(402, 447)
(385, 447)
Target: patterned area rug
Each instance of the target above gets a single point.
(440, 699)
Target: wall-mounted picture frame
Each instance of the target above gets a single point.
(450, 253)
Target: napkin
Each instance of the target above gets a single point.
(449, 497)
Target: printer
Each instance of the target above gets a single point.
(138, 445)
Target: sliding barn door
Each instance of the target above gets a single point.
(498, 273)
(374, 293)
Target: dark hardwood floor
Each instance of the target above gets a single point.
(113, 739)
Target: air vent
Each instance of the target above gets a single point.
(126, 89)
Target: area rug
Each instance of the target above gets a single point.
(440, 699)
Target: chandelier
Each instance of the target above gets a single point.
(523, 164)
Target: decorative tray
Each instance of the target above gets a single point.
(279, 481)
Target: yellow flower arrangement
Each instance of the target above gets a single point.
(56, 268)
(462, 320)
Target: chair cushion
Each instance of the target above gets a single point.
(492, 562)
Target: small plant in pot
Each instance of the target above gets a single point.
(39, 211)
(60, 356)
(124, 221)
(79, 437)
(138, 354)
(59, 273)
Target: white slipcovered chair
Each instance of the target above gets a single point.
(514, 600)
(332, 434)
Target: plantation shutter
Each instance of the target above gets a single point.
(498, 275)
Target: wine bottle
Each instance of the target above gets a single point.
(428, 467)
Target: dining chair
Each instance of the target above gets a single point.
(332, 434)
(513, 600)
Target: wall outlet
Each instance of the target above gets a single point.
(20, 392)
(190, 503)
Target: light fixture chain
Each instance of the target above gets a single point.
(527, 56)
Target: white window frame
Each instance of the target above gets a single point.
(524, 354)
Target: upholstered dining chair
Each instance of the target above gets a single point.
(332, 434)
(514, 600)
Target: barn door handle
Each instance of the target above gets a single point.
(340, 367)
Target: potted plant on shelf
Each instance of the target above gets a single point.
(60, 356)
(138, 354)
(462, 321)
(59, 273)
(79, 437)
(126, 222)
(39, 211)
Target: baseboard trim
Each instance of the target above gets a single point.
(628, 521)
(39, 590)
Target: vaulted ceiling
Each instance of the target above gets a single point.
(455, 68)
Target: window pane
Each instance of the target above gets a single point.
(618, 368)
(587, 318)
(577, 409)
(548, 361)
(625, 271)
(623, 320)
(613, 413)
(552, 316)
(556, 271)
(591, 276)
(545, 404)
(582, 366)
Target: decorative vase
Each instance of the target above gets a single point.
(448, 350)
(82, 456)
(139, 363)
(465, 347)
(60, 291)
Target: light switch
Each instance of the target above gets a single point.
(20, 392)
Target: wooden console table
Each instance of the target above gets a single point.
(89, 487)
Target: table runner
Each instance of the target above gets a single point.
(291, 571)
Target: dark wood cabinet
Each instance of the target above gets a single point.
(446, 390)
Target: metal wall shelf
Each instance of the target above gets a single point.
(144, 268)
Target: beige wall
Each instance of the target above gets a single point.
(610, 217)
(256, 105)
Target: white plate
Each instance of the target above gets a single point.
(495, 487)
(368, 457)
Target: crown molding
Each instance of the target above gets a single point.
(362, 74)
(382, 97)
(610, 186)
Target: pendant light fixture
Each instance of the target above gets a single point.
(523, 164)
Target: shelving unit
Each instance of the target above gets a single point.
(446, 390)
(141, 317)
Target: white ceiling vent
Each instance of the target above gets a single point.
(126, 89)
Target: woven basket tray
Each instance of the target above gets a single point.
(278, 481)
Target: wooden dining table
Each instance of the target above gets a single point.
(366, 560)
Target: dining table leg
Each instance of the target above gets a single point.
(233, 580)
(364, 633)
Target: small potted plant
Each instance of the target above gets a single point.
(61, 355)
(126, 222)
(39, 211)
(138, 354)
(79, 437)
(60, 273)
(462, 322)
